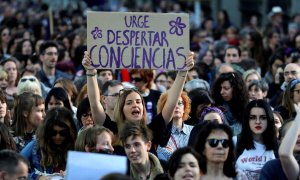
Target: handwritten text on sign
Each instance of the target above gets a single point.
(138, 40)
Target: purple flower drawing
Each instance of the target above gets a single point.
(177, 26)
(97, 33)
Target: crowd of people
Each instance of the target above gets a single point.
(233, 113)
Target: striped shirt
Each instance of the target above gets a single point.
(179, 138)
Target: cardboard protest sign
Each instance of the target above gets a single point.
(83, 165)
(138, 40)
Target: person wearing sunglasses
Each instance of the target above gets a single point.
(257, 143)
(29, 84)
(47, 154)
(215, 146)
(130, 105)
(142, 79)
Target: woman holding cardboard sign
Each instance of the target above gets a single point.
(131, 106)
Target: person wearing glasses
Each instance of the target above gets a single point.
(291, 71)
(131, 105)
(84, 115)
(110, 91)
(47, 154)
(161, 81)
(49, 57)
(102, 116)
(173, 109)
(229, 90)
(215, 146)
(13, 166)
(257, 143)
(28, 115)
(290, 96)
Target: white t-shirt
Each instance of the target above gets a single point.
(250, 162)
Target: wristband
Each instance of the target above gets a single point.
(91, 75)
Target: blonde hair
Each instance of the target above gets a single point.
(88, 137)
(119, 115)
(29, 84)
(186, 101)
(3, 74)
(250, 72)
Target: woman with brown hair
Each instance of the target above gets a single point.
(55, 137)
(29, 112)
(290, 97)
(6, 139)
(4, 113)
(131, 106)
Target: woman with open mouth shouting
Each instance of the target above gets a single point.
(131, 106)
(257, 142)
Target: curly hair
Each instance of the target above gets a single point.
(186, 101)
(239, 93)
(54, 155)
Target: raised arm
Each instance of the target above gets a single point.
(176, 89)
(97, 109)
(289, 163)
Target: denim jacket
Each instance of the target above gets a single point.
(32, 153)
